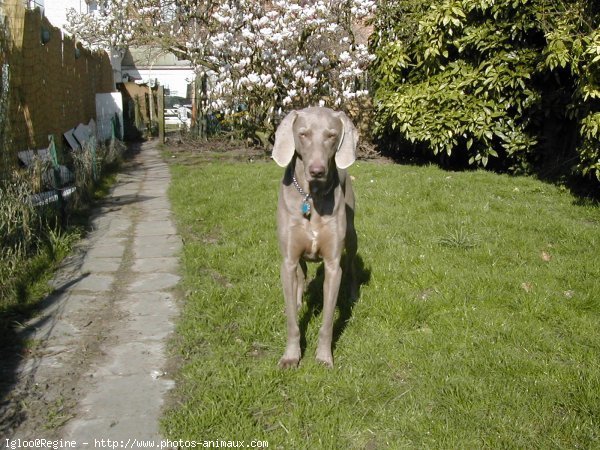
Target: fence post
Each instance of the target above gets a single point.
(161, 114)
(57, 179)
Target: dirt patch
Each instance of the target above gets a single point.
(188, 151)
(193, 151)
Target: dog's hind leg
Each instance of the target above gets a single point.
(350, 266)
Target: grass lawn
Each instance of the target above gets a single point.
(476, 326)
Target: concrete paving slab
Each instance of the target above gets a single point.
(101, 265)
(126, 189)
(109, 226)
(119, 396)
(137, 328)
(149, 282)
(164, 239)
(169, 264)
(167, 249)
(106, 251)
(34, 365)
(59, 330)
(159, 303)
(80, 304)
(117, 431)
(155, 227)
(130, 358)
(94, 282)
(157, 203)
(109, 241)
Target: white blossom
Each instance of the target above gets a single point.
(287, 55)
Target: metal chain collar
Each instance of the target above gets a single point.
(305, 197)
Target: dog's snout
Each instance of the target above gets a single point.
(317, 170)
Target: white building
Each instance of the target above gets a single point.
(148, 65)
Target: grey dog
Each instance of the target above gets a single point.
(315, 215)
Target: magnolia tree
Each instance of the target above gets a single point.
(259, 59)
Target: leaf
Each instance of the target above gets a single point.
(527, 286)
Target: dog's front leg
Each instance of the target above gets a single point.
(289, 278)
(331, 288)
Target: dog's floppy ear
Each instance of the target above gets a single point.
(284, 147)
(346, 153)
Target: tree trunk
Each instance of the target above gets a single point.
(200, 106)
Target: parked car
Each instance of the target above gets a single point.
(177, 118)
(172, 119)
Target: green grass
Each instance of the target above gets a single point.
(476, 327)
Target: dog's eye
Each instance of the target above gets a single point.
(331, 134)
(303, 133)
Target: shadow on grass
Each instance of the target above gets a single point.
(345, 303)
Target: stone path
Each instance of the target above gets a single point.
(103, 335)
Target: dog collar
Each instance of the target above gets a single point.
(305, 207)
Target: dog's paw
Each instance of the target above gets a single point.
(325, 358)
(290, 358)
(288, 363)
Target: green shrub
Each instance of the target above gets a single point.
(491, 80)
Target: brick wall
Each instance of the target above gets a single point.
(53, 86)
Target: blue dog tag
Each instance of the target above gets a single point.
(306, 208)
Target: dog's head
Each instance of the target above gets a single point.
(322, 139)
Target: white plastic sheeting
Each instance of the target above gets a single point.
(107, 105)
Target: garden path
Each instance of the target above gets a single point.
(100, 366)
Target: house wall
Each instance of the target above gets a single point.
(52, 86)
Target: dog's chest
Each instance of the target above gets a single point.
(315, 237)
(311, 250)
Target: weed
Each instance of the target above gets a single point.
(459, 237)
(58, 414)
(59, 242)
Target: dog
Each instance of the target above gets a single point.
(315, 215)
